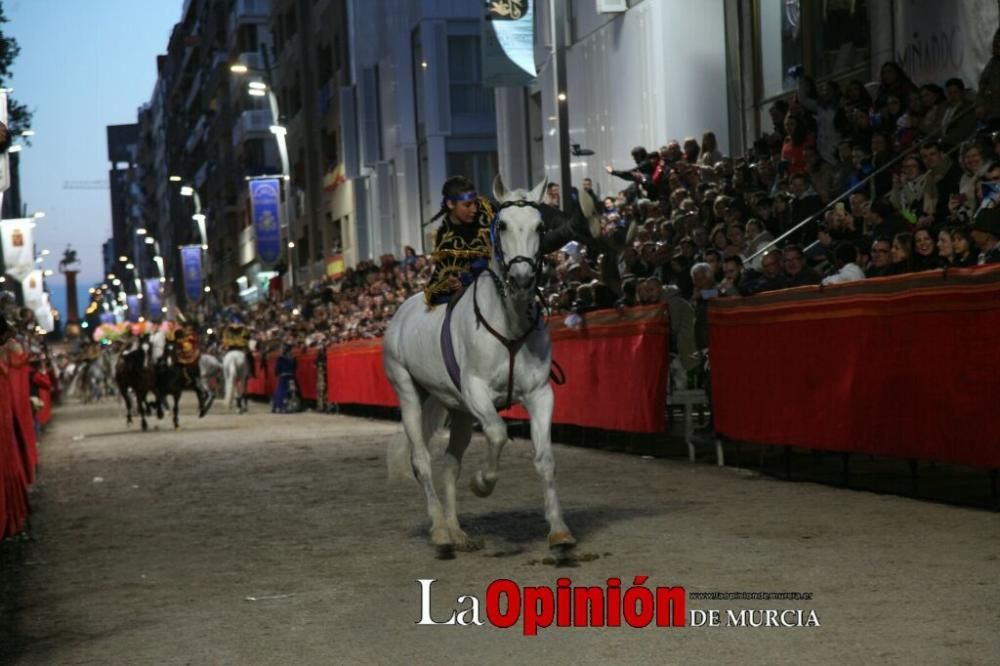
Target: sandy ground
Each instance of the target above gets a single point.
(275, 540)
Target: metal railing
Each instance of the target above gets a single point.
(847, 193)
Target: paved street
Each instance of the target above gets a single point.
(276, 540)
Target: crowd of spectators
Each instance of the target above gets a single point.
(688, 224)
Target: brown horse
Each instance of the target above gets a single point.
(134, 370)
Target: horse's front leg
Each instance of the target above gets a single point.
(539, 404)
(177, 400)
(459, 437)
(479, 400)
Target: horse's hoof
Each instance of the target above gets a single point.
(481, 487)
(444, 551)
(562, 539)
(145, 427)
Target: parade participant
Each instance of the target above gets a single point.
(285, 370)
(236, 336)
(462, 243)
(187, 355)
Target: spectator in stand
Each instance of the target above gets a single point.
(552, 196)
(908, 188)
(846, 260)
(932, 99)
(943, 176)
(881, 263)
(962, 204)
(902, 253)
(732, 276)
(962, 244)
(856, 96)
(925, 256)
(986, 234)
(805, 204)
(797, 138)
(691, 150)
(588, 187)
(988, 100)
(757, 238)
(820, 175)
(770, 278)
(797, 274)
(945, 246)
(861, 169)
(882, 155)
(958, 121)
(894, 81)
(710, 155)
(831, 119)
(642, 170)
(714, 259)
(843, 167)
(409, 258)
(819, 255)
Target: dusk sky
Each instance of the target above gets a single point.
(83, 66)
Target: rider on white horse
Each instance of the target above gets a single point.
(462, 246)
(484, 352)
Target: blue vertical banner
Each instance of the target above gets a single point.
(191, 265)
(134, 307)
(265, 201)
(154, 304)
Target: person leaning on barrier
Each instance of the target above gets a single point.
(986, 234)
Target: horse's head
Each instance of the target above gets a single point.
(516, 233)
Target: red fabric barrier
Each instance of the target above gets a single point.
(13, 463)
(24, 417)
(355, 375)
(906, 367)
(305, 374)
(259, 384)
(616, 372)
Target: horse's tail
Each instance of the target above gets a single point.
(397, 455)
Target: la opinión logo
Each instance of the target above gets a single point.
(566, 605)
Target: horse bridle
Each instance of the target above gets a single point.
(512, 346)
(534, 262)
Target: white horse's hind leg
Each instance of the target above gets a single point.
(458, 441)
(539, 405)
(477, 398)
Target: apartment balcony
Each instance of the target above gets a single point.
(195, 90)
(253, 123)
(201, 175)
(248, 11)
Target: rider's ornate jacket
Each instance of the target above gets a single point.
(457, 247)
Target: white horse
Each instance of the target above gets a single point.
(489, 373)
(234, 367)
(209, 368)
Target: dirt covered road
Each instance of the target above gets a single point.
(276, 540)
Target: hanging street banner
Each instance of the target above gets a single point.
(33, 288)
(507, 44)
(265, 201)
(134, 307)
(18, 247)
(154, 303)
(43, 315)
(191, 265)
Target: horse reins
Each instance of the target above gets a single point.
(512, 346)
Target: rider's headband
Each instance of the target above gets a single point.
(471, 195)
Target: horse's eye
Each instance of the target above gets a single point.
(502, 226)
